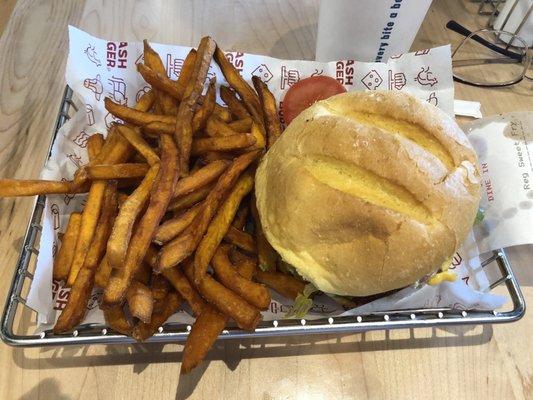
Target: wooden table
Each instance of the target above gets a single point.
(479, 362)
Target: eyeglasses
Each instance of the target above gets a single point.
(489, 57)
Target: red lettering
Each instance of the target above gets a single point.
(63, 294)
(349, 80)
(489, 189)
(280, 113)
(456, 260)
(113, 55)
(60, 305)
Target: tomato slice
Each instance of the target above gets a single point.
(306, 92)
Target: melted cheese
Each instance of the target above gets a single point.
(447, 276)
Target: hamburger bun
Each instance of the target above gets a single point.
(367, 192)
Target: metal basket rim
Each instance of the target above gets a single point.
(100, 334)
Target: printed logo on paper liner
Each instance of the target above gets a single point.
(91, 54)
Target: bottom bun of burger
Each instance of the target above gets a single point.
(368, 192)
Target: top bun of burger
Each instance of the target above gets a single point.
(368, 192)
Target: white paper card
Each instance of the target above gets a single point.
(505, 151)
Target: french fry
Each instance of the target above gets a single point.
(146, 101)
(175, 89)
(222, 113)
(89, 220)
(163, 309)
(162, 192)
(143, 273)
(65, 254)
(241, 125)
(208, 325)
(140, 301)
(151, 256)
(223, 143)
(255, 294)
(80, 176)
(103, 273)
(153, 61)
(160, 286)
(116, 149)
(219, 226)
(241, 217)
(181, 247)
(203, 113)
(216, 127)
(286, 285)
(266, 255)
(200, 178)
(185, 73)
(257, 132)
(238, 83)
(16, 187)
(94, 145)
(182, 285)
(156, 128)
(136, 140)
(160, 81)
(117, 171)
(122, 228)
(236, 108)
(270, 113)
(212, 156)
(183, 133)
(168, 230)
(188, 200)
(129, 183)
(241, 239)
(226, 301)
(116, 320)
(134, 116)
(80, 292)
(245, 266)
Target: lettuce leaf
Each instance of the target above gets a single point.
(303, 302)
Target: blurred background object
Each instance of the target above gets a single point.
(489, 57)
(367, 30)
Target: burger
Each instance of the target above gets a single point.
(368, 192)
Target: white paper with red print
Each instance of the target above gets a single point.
(98, 68)
(504, 145)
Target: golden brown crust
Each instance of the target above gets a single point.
(355, 204)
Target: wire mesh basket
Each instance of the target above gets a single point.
(177, 332)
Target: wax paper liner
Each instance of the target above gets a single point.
(98, 68)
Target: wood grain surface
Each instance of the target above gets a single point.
(481, 362)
